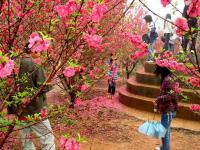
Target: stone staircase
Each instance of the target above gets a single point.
(141, 90)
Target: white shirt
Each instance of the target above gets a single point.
(168, 27)
(151, 27)
(173, 37)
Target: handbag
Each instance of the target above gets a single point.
(153, 129)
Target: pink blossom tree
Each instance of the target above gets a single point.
(64, 32)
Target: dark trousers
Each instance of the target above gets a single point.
(72, 97)
(167, 38)
(166, 119)
(111, 86)
(186, 41)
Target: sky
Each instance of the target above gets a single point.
(156, 6)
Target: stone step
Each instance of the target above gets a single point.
(151, 78)
(149, 67)
(146, 78)
(146, 104)
(152, 91)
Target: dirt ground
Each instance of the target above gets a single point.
(113, 130)
(106, 128)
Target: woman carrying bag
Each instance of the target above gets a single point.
(166, 103)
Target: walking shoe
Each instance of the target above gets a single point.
(157, 148)
(150, 61)
(71, 106)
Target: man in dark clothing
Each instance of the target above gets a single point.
(32, 76)
(150, 36)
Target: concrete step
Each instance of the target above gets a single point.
(149, 67)
(146, 104)
(152, 91)
(150, 78)
(146, 77)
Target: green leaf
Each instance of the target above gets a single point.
(45, 35)
(80, 139)
(67, 135)
(13, 54)
(76, 14)
(4, 129)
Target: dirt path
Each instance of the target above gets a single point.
(106, 128)
(108, 125)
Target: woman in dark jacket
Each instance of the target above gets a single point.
(166, 103)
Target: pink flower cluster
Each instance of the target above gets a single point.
(69, 72)
(83, 88)
(194, 8)
(93, 40)
(37, 44)
(136, 40)
(97, 70)
(195, 107)
(38, 61)
(198, 22)
(69, 144)
(167, 54)
(138, 54)
(195, 81)
(177, 88)
(172, 64)
(6, 69)
(90, 4)
(165, 2)
(78, 102)
(169, 62)
(43, 113)
(98, 12)
(182, 26)
(65, 10)
(92, 74)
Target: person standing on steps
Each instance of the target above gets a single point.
(112, 77)
(152, 35)
(34, 78)
(190, 39)
(168, 33)
(166, 103)
(173, 40)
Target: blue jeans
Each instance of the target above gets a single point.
(166, 119)
(151, 51)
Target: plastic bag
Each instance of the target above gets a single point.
(153, 129)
